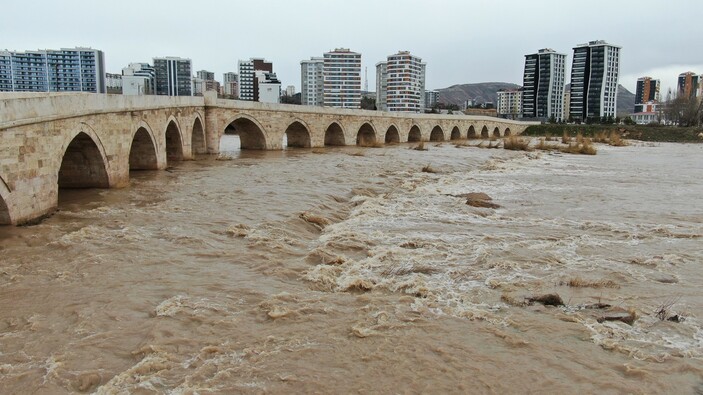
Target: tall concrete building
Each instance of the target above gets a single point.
(543, 85)
(204, 82)
(402, 87)
(431, 98)
(342, 78)
(312, 82)
(205, 75)
(594, 80)
(138, 79)
(510, 103)
(688, 84)
(173, 76)
(247, 75)
(63, 70)
(381, 86)
(647, 92)
(230, 83)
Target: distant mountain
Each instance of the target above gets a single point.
(626, 102)
(486, 92)
(481, 92)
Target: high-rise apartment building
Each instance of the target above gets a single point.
(594, 80)
(63, 70)
(312, 82)
(431, 98)
(173, 76)
(543, 85)
(342, 78)
(510, 103)
(204, 82)
(138, 79)
(402, 83)
(247, 74)
(688, 84)
(230, 84)
(381, 86)
(205, 75)
(647, 92)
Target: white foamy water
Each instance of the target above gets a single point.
(351, 270)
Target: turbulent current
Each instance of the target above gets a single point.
(351, 270)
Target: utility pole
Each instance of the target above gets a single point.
(366, 79)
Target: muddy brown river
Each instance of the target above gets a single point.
(350, 270)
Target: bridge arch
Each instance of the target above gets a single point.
(414, 134)
(456, 133)
(84, 163)
(471, 133)
(496, 131)
(392, 135)
(173, 141)
(484, 132)
(366, 135)
(437, 134)
(197, 138)
(298, 135)
(5, 217)
(142, 152)
(507, 132)
(334, 135)
(251, 134)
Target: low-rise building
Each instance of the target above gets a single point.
(268, 87)
(645, 118)
(138, 79)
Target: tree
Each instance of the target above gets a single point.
(552, 119)
(628, 121)
(683, 111)
(295, 99)
(368, 103)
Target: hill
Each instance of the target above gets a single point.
(486, 92)
(481, 92)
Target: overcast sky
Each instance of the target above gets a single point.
(461, 41)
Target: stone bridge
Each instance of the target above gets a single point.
(52, 141)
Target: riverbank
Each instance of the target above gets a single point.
(671, 134)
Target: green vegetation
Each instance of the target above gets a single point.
(635, 132)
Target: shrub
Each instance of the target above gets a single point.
(515, 143)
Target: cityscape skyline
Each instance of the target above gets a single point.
(473, 44)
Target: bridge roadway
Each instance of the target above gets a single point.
(54, 140)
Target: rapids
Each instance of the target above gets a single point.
(348, 269)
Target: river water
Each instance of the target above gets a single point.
(348, 270)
